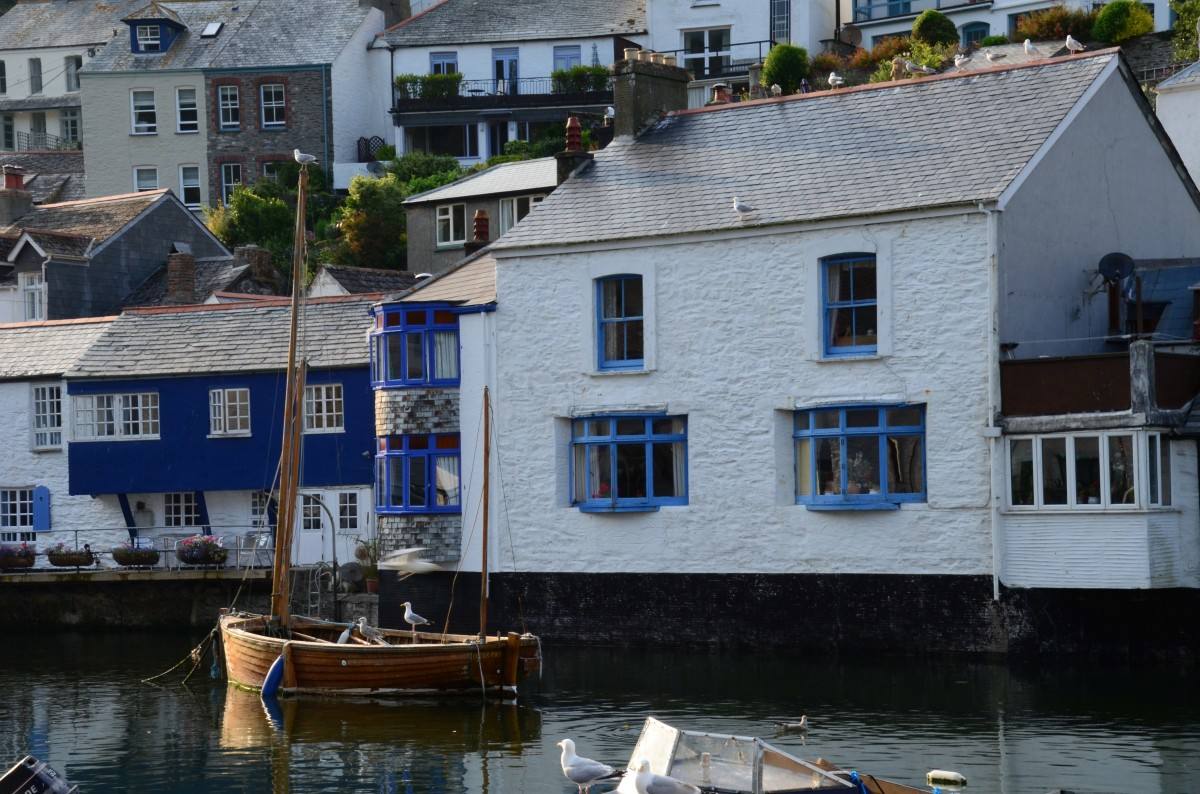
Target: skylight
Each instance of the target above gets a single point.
(212, 29)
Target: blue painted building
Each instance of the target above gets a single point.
(176, 418)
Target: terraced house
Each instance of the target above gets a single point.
(200, 97)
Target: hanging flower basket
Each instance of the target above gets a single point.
(201, 550)
(132, 557)
(17, 556)
(62, 557)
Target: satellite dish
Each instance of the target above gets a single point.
(1115, 267)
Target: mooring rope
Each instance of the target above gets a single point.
(195, 655)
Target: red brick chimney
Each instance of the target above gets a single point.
(14, 177)
(574, 155)
(15, 200)
(181, 278)
(259, 259)
(480, 235)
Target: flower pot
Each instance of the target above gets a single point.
(372, 585)
(70, 558)
(133, 558)
(16, 557)
(202, 554)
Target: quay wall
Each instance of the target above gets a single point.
(827, 613)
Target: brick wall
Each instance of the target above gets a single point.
(405, 411)
(308, 123)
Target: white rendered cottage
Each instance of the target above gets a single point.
(699, 408)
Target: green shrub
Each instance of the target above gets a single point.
(371, 222)
(440, 86)
(786, 66)
(408, 86)
(418, 164)
(934, 27)
(882, 73)
(993, 41)
(1122, 20)
(1055, 22)
(935, 55)
(1187, 16)
(579, 79)
(385, 153)
(429, 182)
(827, 62)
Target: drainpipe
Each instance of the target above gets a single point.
(326, 100)
(992, 429)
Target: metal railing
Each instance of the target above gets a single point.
(245, 547)
(43, 142)
(733, 60)
(522, 86)
(868, 12)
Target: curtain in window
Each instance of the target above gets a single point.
(445, 355)
(447, 480)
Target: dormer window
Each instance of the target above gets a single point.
(149, 38)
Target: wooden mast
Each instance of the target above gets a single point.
(293, 411)
(487, 451)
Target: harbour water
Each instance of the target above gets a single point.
(1083, 725)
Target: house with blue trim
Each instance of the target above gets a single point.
(175, 417)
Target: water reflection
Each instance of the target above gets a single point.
(75, 701)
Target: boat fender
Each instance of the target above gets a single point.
(859, 785)
(270, 686)
(943, 777)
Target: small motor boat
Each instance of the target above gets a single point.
(31, 776)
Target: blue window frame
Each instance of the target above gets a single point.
(415, 346)
(418, 474)
(628, 462)
(620, 318)
(860, 457)
(848, 305)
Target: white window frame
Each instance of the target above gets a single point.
(139, 170)
(114, 412)
(510, 208)
(445, 214)
(16, 513)
(228, 185)
(68, 124)
(180, 509)
(184, 185)
(347, 514)
(439, 61)
(145, 128)
(229, 103)
(260, 509)
(1105, 504)
(229, 412)
(270, 169)
(311, 519)
(46, 418)
(1158, 495)
(32, 287)
(324, 408)
(567, 56)
(36, 84)
(71, 66)
(277, 107)
(149, 38)
(189, 127)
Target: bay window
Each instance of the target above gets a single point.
(418, 474)
(415, 347)
(1088, 471)
(628, 462)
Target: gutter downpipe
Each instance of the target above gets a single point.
(326, 102)
(992, 430)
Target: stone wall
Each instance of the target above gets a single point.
(409, 411)
(440, 534)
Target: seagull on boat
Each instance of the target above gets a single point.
(412, 618)
(1032, 50)
(643, 781)
(583, 772)
(836, 80)
(794, 727)
(741, 207)
(1074, 45)
(302, 158)
(369, 633)
(344, 637)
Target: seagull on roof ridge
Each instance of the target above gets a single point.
(836, 80)
(993, 56)
(1073, 44)
(741, 207)
(961, 60)
(1031, 50)
(302, 158)
(776, 90)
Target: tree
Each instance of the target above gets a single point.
(1122, 20)
(786, 66)
(372, 222)
(934, 27)
(1187, 17)
(418, 164)
(252, 218)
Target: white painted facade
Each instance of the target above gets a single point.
(19, 86)
(748, 21)
(875, 19)
(362, 97)
(73, 519)
(1178, 110)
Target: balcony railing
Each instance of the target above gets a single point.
(43, 142)
(524, 91)
(733, 61)
(869, 12)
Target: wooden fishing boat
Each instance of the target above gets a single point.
(292, 654)
(746, 765)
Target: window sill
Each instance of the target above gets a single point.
(324, 431)
(852, 506)
(187, 132)
(827, 359)
(272, 129)
(617, 508)
(229, 129)
(606, 373)
(1090, 510)
(46, 449)
(229, 435)
(141, 134)
(397, 511)
(449, 246)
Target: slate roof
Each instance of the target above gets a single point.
(95, 219)
(472, 282)
(358, 280)
(50, 176)
(228, 337)
(911, 144)
(523, 176)
(61, 245)
(469, 21)
(46, 349)
(41, 102)
(64, 23)
(1184, 78)
(212, 275)
(256, 34)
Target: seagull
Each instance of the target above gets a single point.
(836, 80)
(1073, 44)
(1030, 49)
(776, 90)
(583, 772)
(918, 68)
(369, 633)
(646, 782)
(610, 112)
(993, 56)
(413, 619)
(302, 158)
(344, 637)
(961, 60)
(794, 727)
(741, 207)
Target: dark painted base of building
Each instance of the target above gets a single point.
(825, 612)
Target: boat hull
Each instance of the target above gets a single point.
(434, 664)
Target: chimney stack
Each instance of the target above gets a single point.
(181, 278)
(643, 91)
(259, 260)
(721, 95)
(574, 155)
(15, 200)
(480, 233)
